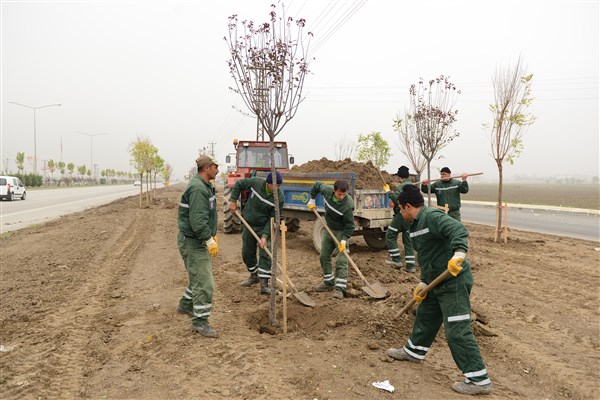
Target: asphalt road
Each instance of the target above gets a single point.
(561, 223)
(48, 204)
(45, 205)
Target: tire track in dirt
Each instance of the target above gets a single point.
(66, 359)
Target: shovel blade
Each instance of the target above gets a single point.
(304, 299)
(375, 290)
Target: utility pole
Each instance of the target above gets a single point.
(212, 149)
(261, 102)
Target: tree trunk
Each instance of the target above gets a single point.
(499, 205)
(429, 185)
(141, 188)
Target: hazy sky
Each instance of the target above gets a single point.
(158, 69)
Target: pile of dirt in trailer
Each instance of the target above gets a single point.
(367, 175)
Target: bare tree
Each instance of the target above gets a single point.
(268, 64)
(344, 148)
(408, 143)
(432, 113)
(512, 98)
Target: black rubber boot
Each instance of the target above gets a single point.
(253, 280)
(264, 286)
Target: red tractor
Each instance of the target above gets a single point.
(250, 157)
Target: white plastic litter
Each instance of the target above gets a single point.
(6, 349)
(385, 385)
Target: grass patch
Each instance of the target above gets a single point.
(579, 195)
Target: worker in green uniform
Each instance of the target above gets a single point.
(448, 191)
(197, 242)
(441, 243)
(339, 216)
(398, 225)
(258, 211)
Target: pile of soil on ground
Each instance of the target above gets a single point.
(367, 176)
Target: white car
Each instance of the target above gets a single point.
(11, 187)
(137, 183)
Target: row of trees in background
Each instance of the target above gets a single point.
(148, 164)
(68, 174)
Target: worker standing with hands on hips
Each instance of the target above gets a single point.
(442, 243)
(448, 191)
(398, 225)
(339, 216)
(258, 211)
(197, 241)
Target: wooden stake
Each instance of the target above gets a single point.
(283, 267)
(505, 223)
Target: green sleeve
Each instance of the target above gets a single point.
(348, 223)
(463, 187)
(454, 231)
(199, 213)
(316, 189)
(239, 186)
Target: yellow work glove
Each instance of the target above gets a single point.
(416, 292)
(342, 246)
(213, 246)
(386, 188)
(311, 204)
(455, 263)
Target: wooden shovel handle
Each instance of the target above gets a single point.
(423, 292)
(452, 177)
(289, 281)
(345, 252)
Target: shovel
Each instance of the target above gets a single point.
(302, 297)
(374, 289)
(423, 292)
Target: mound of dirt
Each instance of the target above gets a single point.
(367, 175)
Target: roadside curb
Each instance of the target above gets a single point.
(535, 207)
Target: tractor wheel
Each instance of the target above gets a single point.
(293, 224)
(231, 223)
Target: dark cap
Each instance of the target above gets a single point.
(278, 176)
(411, 195)
(402, 172)
(446, 170)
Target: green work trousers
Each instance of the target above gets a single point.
(199, 292)
(396, 227)
(449, 303)
(454, 214)
(249, 246)
(329, 249)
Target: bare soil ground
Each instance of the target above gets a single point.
(88, 311)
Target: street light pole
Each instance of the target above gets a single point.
(34, 132)
(92, 149)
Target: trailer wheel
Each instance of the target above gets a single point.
(293, 224)
(317, 234)
(231, 223)
(376, 241)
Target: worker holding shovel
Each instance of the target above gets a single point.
(339, 216)
(258, 211)
(397, 226)
(441, 243)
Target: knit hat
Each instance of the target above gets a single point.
(403, 172)
(205, 160)
(278, 177)
(411, 195)
(446, 170)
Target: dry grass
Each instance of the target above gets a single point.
(578, 196)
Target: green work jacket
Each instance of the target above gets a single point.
(448, 192)
(435, 237)
(393, 195)
(197, 214)
(339, 216)
(260, 207)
